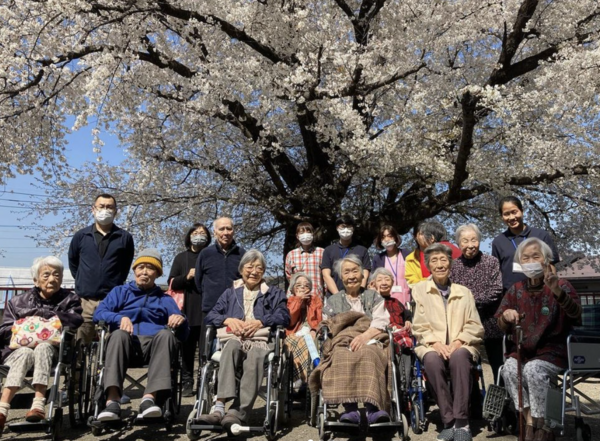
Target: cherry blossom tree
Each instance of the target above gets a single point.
(279, 111)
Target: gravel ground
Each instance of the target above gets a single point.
(297, 429)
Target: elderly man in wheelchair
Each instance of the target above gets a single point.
(246, 314)
(144, 325)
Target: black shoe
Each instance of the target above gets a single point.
(112, 412)
(148, 409)
(188, 389)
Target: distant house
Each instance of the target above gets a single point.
(584, 274)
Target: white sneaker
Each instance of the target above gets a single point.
(112, 412)
(148, 409)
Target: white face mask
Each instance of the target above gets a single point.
(305, 238)
(345, 233)
(531, 270)
(198, 239)
(388, 244)
(104, 216)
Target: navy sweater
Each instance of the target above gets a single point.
(149, 311)
(95, 276)
(216, 271)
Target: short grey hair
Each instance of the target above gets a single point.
(252, 256)
(544, 248)
(435, 249)
(381, 271)
(352, 258)
(295, 278)
(40, 262)
(466, 227)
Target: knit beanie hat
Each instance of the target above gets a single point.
(151, 256)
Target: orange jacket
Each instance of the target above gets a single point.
(312, 312)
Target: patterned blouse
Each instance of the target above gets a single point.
(546, 321)
(482, 276)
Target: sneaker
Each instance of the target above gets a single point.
(188, 389)
(463, 434)
(379, 416)
(149, 409)
(352, 417)
(112, 412)
(446, 434)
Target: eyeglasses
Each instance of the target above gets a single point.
(298, 285)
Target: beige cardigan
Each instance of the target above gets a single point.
(431, 320)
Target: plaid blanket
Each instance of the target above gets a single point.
(300, 356)
(352, 377)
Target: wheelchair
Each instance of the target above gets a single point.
(171, 405)
(564, 395)
(422, 397)
(583, 345)
(66, 367)
(321, 412)
(278, 406)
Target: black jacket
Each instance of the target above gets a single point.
(215, 272)
(96, 276)
(192, 305)
(64, 304)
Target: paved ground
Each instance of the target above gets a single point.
(297, 429)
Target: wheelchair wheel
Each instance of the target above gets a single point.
(404, 433)
(92, 375)
(323, 435)
(192, 434)
(584, 432)
(415, 419)
(79, 384)
(56, 427)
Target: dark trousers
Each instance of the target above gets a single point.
(124, 349)
(459, 368)
(188, 353)
(493, 349)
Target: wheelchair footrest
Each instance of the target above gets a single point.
(390, 425)
(341, 427)
(208, 427)
(493, 404)
(25, 426)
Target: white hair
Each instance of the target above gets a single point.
(252, 256)
(40, 262)
(466, 227)
(544, 248)
(352, 258)
(381, 271)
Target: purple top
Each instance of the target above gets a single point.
(482, 276)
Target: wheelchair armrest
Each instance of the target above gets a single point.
(101, 325)
(323, 333)
(211, 334)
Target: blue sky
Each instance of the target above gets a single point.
(15, 228)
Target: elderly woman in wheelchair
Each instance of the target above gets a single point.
(31, 331)
(245, 314)
(449, 332)
(546, 308)
(356, 319)
(145, 324)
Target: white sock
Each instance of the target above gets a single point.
(4, 408)
(39, 404)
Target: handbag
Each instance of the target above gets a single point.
(29, 332)
(178, 296)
